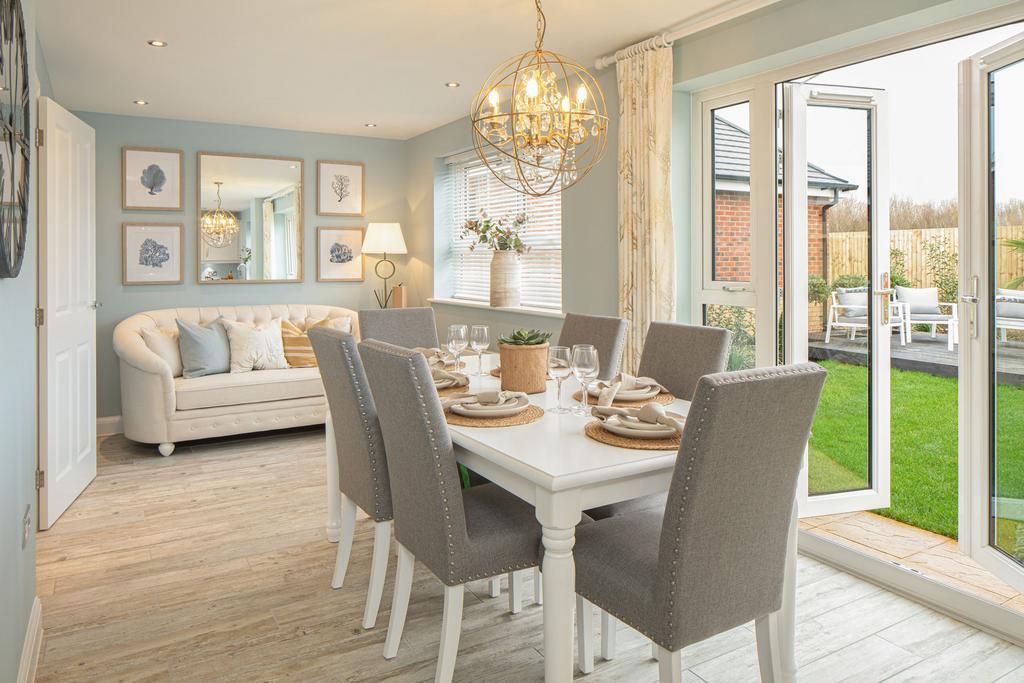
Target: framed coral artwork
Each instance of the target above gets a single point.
(152, 179)
(340, 188)
(151, 253)
(339, 254)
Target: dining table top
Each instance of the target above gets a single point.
(554, 452)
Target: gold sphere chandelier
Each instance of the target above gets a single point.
(219, 228)
(540, 123)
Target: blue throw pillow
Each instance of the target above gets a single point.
(204, 349)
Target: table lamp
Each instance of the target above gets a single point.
(384, 238)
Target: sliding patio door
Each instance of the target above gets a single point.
(991, 526)
(834, 152)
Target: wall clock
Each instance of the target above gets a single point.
(15, 138)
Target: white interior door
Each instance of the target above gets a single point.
(991, 525)
(847, 471)
(67, 299)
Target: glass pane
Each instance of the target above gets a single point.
(1007, 456)
(838, 272)
(740, 321)
(730, 223)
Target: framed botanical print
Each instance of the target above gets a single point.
(151, 253)
(152, 179)
(340, 188)
(339, 254)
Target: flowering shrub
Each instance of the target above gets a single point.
(501, 234)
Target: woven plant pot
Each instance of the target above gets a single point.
(506, 272)
(524, 368)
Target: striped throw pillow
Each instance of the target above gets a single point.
(297, 349)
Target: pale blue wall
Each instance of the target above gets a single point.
(18, 429)
(385, 201)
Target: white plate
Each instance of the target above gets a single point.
(631, 395)
(505, 410)
(615, 425)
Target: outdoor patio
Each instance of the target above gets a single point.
(923, 354)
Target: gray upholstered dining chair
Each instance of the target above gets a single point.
(606, 333)
(715, 557)
(362, 464)
(408, 327)
(676, 355)
(459, 534)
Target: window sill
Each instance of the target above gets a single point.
(521, 310)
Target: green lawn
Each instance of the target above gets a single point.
(923, 446)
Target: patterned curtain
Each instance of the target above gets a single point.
(646, 243)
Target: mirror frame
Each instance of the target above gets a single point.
(301, 224)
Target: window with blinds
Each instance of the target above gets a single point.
(470, 187)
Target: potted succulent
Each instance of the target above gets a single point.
(524, 360)
(502, 236)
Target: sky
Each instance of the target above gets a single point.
(922, 120)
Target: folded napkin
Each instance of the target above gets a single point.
(624, 382)
(436, 357)
(648, 414)
(484, 398)
(441, 375)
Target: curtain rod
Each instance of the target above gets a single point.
(696, 24)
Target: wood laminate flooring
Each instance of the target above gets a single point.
(212, 565)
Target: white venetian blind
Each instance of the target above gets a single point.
(470, 187)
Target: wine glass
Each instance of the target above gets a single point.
(586, 368)
(479, 340)
(560, 367)
(457, 341)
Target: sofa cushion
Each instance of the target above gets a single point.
(248, 387)
(920, 299)
(164, 343)
(255, 347)
(204, 349)
(298, 350)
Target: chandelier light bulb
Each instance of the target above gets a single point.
(581, 94)
(565, 104)
(532, 87)
(492, 97)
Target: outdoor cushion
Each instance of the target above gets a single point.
(852, 296)
(920, 299)
(854, 319)
(937, 317)
(228, 389)
(1009, 303)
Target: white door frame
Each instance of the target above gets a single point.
(797, 98)
(979, 334)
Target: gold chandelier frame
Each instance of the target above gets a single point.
(223, 222)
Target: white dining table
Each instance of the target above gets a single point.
(555, 467)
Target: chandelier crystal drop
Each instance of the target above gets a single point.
(539, 122)
(219, 228)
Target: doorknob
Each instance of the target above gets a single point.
(95, 304)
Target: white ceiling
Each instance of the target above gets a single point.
(245, 178)
(319, 65)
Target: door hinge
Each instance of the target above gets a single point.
(39, 137)
(40, 317)
(39, 479)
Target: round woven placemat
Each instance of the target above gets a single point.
(598, 433)
(452, 390)
(531, 414)
(664, 398)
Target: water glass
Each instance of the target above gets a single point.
(479, 340)
(585, 367)
(560, 367)
(458, 340)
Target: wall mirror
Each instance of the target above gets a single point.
(249, 220)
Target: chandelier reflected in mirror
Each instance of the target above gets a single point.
(539, 122)
(218, 227)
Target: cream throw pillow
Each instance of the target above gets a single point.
(343, 323)
(164, 343)
(255, 348)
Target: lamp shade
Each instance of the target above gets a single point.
(384, 238)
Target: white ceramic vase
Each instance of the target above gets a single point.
(505, 277)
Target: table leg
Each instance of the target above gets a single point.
(333, 489)
(558, 514)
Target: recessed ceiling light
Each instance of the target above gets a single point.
(294, 166)
(370, 125)
(156, 43)
(452, 84)
(141, 103)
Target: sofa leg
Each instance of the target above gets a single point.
(165, 449)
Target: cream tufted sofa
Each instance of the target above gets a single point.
(158, 408)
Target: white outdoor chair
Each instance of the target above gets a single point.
(1009, 311)
(849, 310)
(924, 308)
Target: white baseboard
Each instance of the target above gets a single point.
(105, 426)
(32, 645)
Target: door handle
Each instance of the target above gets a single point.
(94, 304)
(885, 291)
(973, 300)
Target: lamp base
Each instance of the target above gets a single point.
(384, 295)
